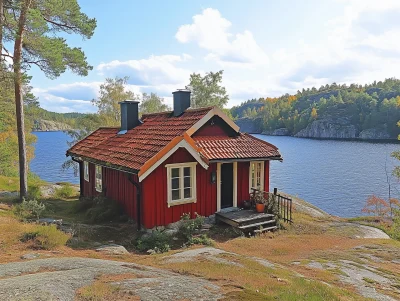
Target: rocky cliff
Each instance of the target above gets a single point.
(248, 125)
(49, 126)
(327, 128)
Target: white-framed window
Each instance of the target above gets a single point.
(99, 179)
(86, 170)
(181, 185)
(256, 175)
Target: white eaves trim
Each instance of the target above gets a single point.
(182, 144)
(214, 112)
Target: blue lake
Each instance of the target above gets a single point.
(337, 176)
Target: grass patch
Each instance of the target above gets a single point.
(103, 289)
(45, 237)
(259, 282)
(66, 191)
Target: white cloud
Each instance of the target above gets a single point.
(155, 70)
(211, 32)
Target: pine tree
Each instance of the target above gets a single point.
(32, 27)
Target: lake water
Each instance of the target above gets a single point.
(337, 176)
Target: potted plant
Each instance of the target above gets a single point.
(259, 200)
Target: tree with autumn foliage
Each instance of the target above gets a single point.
(376, 206)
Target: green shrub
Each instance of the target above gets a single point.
(158, 241)
(34, 192)
(394, 231)
(66, 191)
(46, 237)
(29, 209)
(188, 228)
(202, 239)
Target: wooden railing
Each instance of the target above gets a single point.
(284, 204)
(284, 207)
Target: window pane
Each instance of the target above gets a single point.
(186, 182)
(187, 193)
(186, 171)
(175, 172)
(176, 194)
(175, 183)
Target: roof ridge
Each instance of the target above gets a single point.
(187, 110)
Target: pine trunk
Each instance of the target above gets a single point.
(1, 28)
(19, 102)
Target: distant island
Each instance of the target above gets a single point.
(331, 112)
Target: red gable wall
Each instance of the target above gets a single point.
(155, 202)
(215, 127)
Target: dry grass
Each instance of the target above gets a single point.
(103, 289)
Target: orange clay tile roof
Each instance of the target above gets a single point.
(137, 146)
(241, 147)
(133, 149)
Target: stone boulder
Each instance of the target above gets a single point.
(112, 249)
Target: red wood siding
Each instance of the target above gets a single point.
(116, 186)
(155, 207)
(89, 188)
(215, 127)
(242, 182)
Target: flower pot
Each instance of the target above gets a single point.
(246, 205)
(260, 208)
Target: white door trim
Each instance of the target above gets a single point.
(234, 184)
(218, 187)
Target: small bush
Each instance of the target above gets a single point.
(190, 227)
(34, 192)
(29, 209)
(66, 191)
(158, 241)
(394, 231)
(203, 239)
(46, 237)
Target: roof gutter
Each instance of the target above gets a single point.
(78, 158)
(246, 159)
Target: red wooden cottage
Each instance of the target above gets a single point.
(167, 164)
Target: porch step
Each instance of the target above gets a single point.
(253, 225)
(265, 229)
(261, 219)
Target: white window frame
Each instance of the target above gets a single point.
(262, 176)
(99, 182)
(182, 200)
(86, 170)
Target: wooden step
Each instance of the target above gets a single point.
(265, 229)
(257, 224)
(257, 220)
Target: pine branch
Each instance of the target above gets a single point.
(60, 24)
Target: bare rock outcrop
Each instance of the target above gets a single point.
(49, 126)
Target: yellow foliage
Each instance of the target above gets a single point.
(314, 113)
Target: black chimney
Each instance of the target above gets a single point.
(129, 115)
(181, 101)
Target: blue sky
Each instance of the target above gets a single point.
(266, 48)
